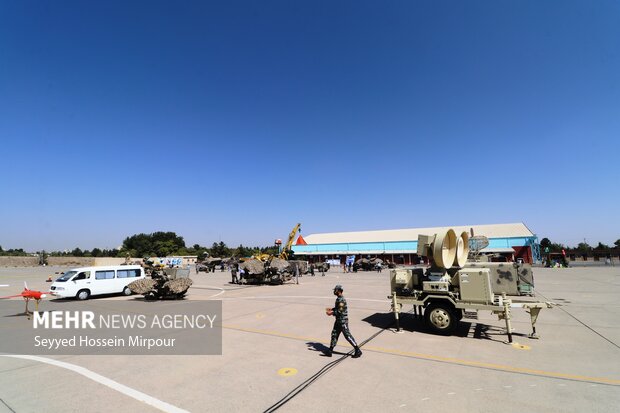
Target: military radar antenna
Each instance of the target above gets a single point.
(477, 243)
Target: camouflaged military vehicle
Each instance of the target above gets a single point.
(320, 266)
(165, 283)
(209, 264)
(273, 271)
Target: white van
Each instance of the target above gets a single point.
(83, 282)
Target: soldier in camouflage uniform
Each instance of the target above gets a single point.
(233, 271)
(341, 324)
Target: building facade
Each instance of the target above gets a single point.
(510, 241)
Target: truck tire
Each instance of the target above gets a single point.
(440, 318)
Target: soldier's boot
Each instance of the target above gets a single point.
(329, 352)
(357, 353)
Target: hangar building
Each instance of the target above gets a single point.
(510, 241)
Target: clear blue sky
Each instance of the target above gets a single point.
(234, 120)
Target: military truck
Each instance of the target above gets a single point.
(452, 288)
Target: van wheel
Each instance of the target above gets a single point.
(440, 317)
(83, 295)
(126, 291)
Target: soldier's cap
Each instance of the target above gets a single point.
(338, 287)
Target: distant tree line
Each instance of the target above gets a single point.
(157, 244)
(581, 249)
(13, 252)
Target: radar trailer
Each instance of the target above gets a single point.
(452, 287)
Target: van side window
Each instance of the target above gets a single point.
(104, 275)
(82, 276)
(128, 273)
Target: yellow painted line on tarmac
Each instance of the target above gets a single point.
(500, 367)
(450, 360)
(274, 333)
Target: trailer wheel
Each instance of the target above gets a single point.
(440, 318)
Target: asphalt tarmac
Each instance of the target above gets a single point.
(274, 336)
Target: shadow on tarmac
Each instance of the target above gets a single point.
(18, 315)
(415, 323)
(320, 347)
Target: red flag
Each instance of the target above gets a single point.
(301, 241)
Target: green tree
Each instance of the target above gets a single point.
(557, 247)
(172, 239)
(242, 251)
(601, 247)
(219, 250)
(77, 252)
(545, 242)
(273, 250)
(617, 244)
(17, 252)
(156, 244)
(584, 247)
(138, 245)
(96, 252)
(164, 248)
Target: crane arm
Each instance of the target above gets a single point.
(289, 243)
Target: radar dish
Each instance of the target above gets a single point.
(477, 243)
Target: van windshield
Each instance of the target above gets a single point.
(66, 276)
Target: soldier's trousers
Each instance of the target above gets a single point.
(343, 328)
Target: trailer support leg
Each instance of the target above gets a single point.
(534, 316)
(507, 316)
(396, 310)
